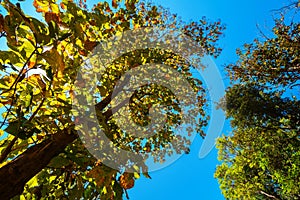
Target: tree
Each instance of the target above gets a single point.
(41, 154)
(260, 158)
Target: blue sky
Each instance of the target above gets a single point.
(191, 178)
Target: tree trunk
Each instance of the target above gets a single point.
(15, 174)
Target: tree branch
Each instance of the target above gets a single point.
(101, 105)
(8, 149)
(268, 195)
(15, 174)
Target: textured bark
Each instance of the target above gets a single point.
(15, 174)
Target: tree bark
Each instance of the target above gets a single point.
(15, 174)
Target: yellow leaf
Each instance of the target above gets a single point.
(22, 197)
(107, 26)
(33, 182)
(1, 132)
(136, 175)
(52, 178)
(136, 168)
(54, 8)
(104, 191)
(47, 112)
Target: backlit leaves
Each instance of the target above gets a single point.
(38, 106)
(275, 61)
(260, 158)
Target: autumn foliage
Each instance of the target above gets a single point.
(40, 153)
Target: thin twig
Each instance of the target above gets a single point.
(294, 4)
(126, 193)
(261, 32)
(36, 111)
(15, 88)
(20, 72)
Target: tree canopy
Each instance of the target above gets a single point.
(260, 158)
(41, 154)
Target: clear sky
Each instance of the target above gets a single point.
(191, 178)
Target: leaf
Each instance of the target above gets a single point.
(22, 128)
(136, 175)
(104, 190)
(41, 6)
(62, 5)
(59, 162)
(130, 4)
(28, 99)
(13, 128)
(56, 61)
(33, 182)
(9, 56)
(54, 8)
(50, 16)
(114, 4)
(126, 181)
(1, 133)
(137, 168)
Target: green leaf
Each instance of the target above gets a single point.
(13, 128)
(21, 128)
(59, 162)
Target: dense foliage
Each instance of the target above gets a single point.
(261, 157)
(41, 155)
